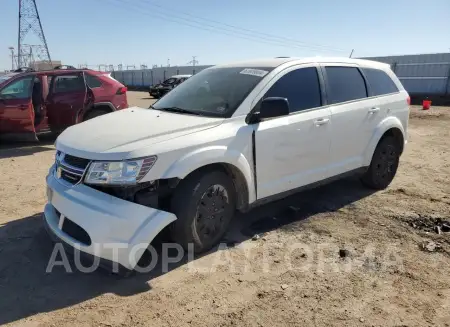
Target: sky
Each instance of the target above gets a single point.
(155, 32)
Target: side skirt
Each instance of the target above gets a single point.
(279, 196)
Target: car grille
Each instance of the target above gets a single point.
(76, 162)
(69, 168)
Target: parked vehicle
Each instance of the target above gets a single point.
(229, 138)
(158, 90)
(36, 102)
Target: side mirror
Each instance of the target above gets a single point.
(274, 107)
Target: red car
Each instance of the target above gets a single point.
(49, 101)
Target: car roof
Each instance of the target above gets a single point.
(275, 62)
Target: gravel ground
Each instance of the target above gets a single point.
(339, 255)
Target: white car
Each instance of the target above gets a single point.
(229, 138)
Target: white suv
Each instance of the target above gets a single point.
(229, 138)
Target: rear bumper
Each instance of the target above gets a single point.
(119, 230)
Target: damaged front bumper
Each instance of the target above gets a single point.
(100, 224)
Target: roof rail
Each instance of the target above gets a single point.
(24, 70)
(64, 67)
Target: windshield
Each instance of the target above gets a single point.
(215, 92)
(5, 78)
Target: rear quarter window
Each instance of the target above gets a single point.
(380, 83)
(92, 81)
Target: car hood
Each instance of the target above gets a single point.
(124, 133)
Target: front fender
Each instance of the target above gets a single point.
(213, 155)
(383, 126)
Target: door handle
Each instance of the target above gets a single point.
(374, 110)
(23, 107)
(321, 121)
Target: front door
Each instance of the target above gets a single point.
(293, 151)
(67, 98)
(16, 108)
(39, 96)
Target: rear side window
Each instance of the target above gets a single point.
(380, 83)
(92, 81)
(345, 84)
(301, 87)
(69, 83)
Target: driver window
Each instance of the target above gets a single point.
(20, 89)
(301, 87)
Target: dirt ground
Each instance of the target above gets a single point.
(339, 255)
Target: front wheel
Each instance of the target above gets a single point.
(384, 164)
(204, 204)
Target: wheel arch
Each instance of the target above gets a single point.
(233, 163)
(103, 106)
(388, 127)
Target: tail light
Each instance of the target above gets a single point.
(121, 90)
(408, 100)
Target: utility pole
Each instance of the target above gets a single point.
(168, 62)
(12, 57)
(29, 20)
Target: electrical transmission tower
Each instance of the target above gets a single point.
(29, 21)
(193, 61)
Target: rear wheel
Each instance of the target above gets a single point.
(204, 204)
(384, 164)
(95, 113)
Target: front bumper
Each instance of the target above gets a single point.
(119, 230)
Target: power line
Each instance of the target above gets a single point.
(240, 29)
(211, 28)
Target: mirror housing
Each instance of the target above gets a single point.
(269, 108)
(274, 107)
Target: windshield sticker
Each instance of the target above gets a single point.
(254, 72)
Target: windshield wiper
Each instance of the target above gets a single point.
(178, 109)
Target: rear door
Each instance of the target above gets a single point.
(67, 98)
(354, 116)
(16, 109)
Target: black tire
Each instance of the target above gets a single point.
(384, 164)
(95, 113)
(203, 209)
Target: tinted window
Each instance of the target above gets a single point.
(20, 89)
(92, 81)
(380, 83)
(69, 83)
(301, 87)
(345, 84)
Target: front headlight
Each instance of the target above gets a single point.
(127, 172)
